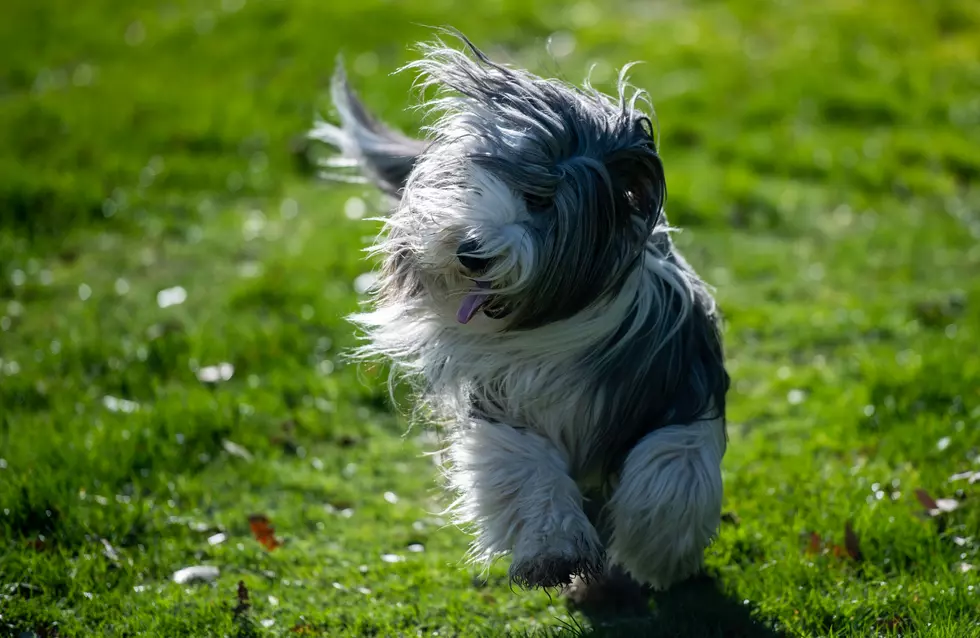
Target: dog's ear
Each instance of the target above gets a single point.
(636, 170)
(384, 156)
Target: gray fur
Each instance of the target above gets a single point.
(598, 333)
(384, 154)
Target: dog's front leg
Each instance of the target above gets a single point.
(513, 486)
(667, 506)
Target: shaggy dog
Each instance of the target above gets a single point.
(531, 288)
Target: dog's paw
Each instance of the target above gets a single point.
(552, 569)
(552, 560)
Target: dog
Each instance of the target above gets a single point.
(530, 289)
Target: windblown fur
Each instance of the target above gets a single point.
(530, 288)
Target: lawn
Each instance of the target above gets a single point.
(174, 281)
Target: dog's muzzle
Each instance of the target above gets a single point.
(481, 297)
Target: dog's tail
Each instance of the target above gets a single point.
(382, 155)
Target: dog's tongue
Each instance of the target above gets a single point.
(472, 303)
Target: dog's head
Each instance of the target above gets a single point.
(529, 201)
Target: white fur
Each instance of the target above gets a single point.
(514, 489)
(666, 509)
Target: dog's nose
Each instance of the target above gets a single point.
(466, 254)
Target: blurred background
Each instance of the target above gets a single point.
(174, 281)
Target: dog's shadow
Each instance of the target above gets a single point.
(693, 609)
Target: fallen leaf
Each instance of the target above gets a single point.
(303, 630)
(926, 500)
(851, 542)
(263, 531)
(37, 544)
(891, 622)
(195, 574)
(936, 507)
(243, 603)
(814, 545)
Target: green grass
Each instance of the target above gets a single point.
(822, 158)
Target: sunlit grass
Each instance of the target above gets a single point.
(821, 159)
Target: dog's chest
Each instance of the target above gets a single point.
(552, 399)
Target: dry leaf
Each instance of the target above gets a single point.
(263, 531)
(815, 544)
(851, 542)
(936, 507)
(891, 622)
(926, 500)
(243, 603)
(37, 544)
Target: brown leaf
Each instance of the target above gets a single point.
(37, 544)
(935, 507)
(263, 531)
(243, 603)
(891, 622)
(303, 630)
(851, 542)
(927, 501)
(815, 544)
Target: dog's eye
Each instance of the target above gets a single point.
(536, 203)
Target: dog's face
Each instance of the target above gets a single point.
(531, 202)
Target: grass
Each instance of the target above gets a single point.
(820, 156)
